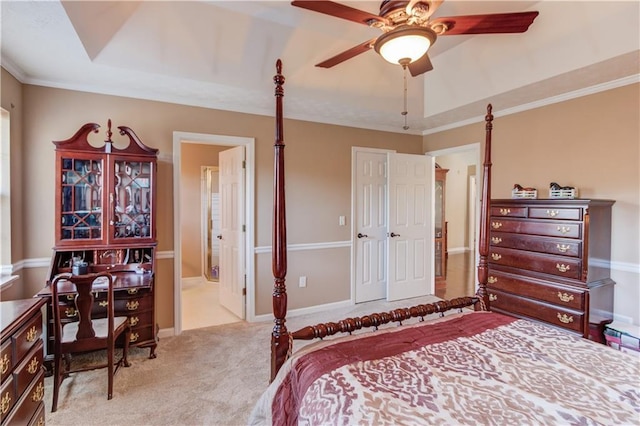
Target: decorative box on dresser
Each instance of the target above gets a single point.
(21, 358)
(105, 221)
(549, 260)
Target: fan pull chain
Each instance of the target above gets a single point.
(405, 112)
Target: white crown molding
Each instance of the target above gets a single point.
(543, 102)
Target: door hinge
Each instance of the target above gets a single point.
(244, 228)
(244, 289)
(244, 164)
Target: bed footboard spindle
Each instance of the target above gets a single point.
(483, 249)
(280, 335)
(350, 325)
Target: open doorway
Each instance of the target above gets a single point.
(462, 209)
(195, 293)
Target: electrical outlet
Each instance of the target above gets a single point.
(302, 282)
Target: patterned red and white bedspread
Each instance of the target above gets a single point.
(467, 368)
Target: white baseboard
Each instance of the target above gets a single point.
(305, 311)
(457, 250)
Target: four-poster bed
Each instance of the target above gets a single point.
(471, 365)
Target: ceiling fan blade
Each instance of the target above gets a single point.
(517, 22)
(420, 66)
(339, 10)
(347, 54)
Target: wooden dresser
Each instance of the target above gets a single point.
(21, 356)
(549, 261)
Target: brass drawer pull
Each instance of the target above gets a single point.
(492, 280)
(133, 305)
(496, 225)
(565, 297)
(103, 303)
(133, 321)
(5, 403)
(71, 296)
(562, 267)
(38, 393)
(71, 312)
(492, 297)
(32, 334)
(552, 213)
(496, 240)
(505, 212)
(562, 248)
(32, 368)
(4, 364)
(565, 319)
(132, 291)
(134, 337)
(564, 229)
(496, 256)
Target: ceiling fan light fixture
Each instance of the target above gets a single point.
(405, 44)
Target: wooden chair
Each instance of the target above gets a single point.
(85, 333)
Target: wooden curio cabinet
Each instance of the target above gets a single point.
(105, 221)
(440, 234)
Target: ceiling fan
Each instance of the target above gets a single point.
(409, 31)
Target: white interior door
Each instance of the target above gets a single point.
(410, 230)
(370, 225)
(232, 269)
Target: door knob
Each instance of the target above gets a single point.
(362, 235)
(219, 237)
(393, 234)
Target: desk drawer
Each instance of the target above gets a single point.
(569, 298)
(520, 306)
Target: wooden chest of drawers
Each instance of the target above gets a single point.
(549, 261)
(21, 358)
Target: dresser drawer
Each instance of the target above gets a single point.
(142, 335)
(30, 402)
(28, 336)
(7, 397)
(537, 227)
(520, 306)
(568, 267)
(535, 243)
(38, 417)
(29, 368)
(547, 292)
(6, 359)
(555, 213)
(509, 211)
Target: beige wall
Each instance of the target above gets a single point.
(591, 143)
(318, 158)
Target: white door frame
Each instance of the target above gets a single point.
(472, 147)
(207, 139)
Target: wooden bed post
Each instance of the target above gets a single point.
(485, 213)
(280, 335)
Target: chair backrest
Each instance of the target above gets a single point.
(82, 286)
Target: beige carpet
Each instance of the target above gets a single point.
(209, 376)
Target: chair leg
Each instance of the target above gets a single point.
(110, 368)
(57, 375)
